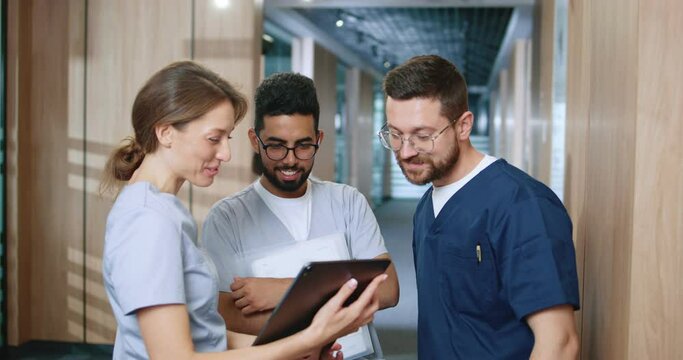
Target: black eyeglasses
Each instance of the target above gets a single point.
(276, 152)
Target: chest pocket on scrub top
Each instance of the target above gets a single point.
(467, 274)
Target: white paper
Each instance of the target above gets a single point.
(356, 344)
(286, 261)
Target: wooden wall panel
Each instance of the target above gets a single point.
(228, 41)
(609, 178)
(610, 171)
(602, 93)
(74, 69)
(494, 118)
(657, 260)
(542, 91)
(576, 149)
(136, 39)
(18, 70)
(502, 115)
(325, 77)
(625, 99)
(57, 214)
(366, 136)
(520, 101)
(507, 130)
(45, 103)
(359, 105)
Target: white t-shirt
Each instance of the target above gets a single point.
(441, 195)
(294, 213)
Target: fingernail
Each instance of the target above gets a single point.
(384, 277)
(352, 283)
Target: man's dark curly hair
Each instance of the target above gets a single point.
(286, 94)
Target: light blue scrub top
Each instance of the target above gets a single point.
(150, 258)
(242, 224)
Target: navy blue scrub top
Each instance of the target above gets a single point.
(476, 309)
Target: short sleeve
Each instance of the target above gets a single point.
(364, 235)
(216, 235)
(537, 257)
(145, 260)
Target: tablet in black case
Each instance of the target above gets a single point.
(315, 284)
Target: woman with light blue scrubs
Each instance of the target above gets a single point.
(162, 288)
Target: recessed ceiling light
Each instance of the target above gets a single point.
(340, 23)
(221, 4)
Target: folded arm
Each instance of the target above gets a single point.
(388, 291)
(253, 295)
(237, 321)
(247, 308)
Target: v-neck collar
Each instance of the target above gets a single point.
(450, 204)
(275, 218)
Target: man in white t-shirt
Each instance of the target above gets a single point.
(284, 207)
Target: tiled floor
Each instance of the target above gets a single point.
(395, 327)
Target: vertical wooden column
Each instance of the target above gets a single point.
(359, 102)
(228, 41)
(500, 137)
(367, 135)
(325, 77)
(493, 119)
(511, 112)
(128, 41)
(18, 70)
(520, 81)
(312, 60)
(541, 111)
(45, 90)
(352, 89)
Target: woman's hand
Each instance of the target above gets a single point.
(329, 352)
(334, 320)
(332, 352)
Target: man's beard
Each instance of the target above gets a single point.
(286, 186)
(434, 171)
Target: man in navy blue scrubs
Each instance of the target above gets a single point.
(495, 262)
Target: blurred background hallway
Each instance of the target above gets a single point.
(397, 327)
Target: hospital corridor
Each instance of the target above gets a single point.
(545, 133)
